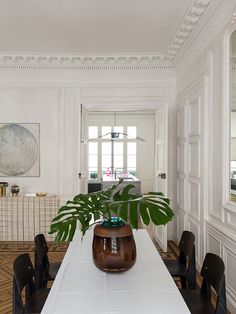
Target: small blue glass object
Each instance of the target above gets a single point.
(113, 222)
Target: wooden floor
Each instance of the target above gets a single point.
(8, 252)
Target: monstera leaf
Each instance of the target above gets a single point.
(103, 205)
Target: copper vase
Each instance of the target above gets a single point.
(114, 248)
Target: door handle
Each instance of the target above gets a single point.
(162, 175)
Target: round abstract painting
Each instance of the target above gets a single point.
(18, 150)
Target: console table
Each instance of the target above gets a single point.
(22, 217)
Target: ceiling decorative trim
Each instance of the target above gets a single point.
(114, 62)
(185, 29)
(148, 62)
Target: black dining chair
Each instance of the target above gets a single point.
(23, 273)
(185, 266)
(199, 300)
(45, 271)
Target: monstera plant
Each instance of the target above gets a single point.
(116, 201)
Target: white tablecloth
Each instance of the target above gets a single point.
(81, 288)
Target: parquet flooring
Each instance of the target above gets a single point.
(8, 252)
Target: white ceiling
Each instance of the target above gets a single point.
(90, 26)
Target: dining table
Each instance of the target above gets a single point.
(81, 288)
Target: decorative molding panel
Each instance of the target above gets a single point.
(221, 242)
(127, 91)
(230, 268)
(181, 223)
(181, 125)
(230, 219)
(194, 158)
(194, 199)
(180, 193)
(187, 26)
(213, 245)
(195, 229)
(194, 117)
(47, 62)
(181, 146)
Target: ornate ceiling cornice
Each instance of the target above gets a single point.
(186, 27)
(114, 62)
(148, 62)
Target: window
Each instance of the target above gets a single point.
(106, 155)
(93, 160)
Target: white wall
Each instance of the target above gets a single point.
(202, 148)
(51, 107)
(51, 95)
(145, 150)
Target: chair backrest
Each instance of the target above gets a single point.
(41, 261)
(186, 244)
(41, 247)
(187, 251)
(212, 271)
(23, 273)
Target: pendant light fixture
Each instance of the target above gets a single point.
(116, 135)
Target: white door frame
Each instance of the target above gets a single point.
(160, 233)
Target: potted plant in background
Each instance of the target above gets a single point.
(114, 211)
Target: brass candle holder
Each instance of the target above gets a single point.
(3, 188)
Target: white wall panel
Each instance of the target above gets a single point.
(181, 163)
(195, 229)
(194, 116)
(194, 200)
(181, 224)
(230, 219)
(181, 127)
(213, 245)
(190, 179)
(230, 269)
(202, 82)
(181, 192)
(194, 158)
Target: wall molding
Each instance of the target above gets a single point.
(226, 244)
(219, 14)
(116, 62)
(221, 232)
(185, 29)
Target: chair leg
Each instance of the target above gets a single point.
(17, 305)
(183, 282)
(191, 275)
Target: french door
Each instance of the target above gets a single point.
(161, 166)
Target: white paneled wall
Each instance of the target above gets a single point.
(189, 163)
(203, 147)
(51, 95)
